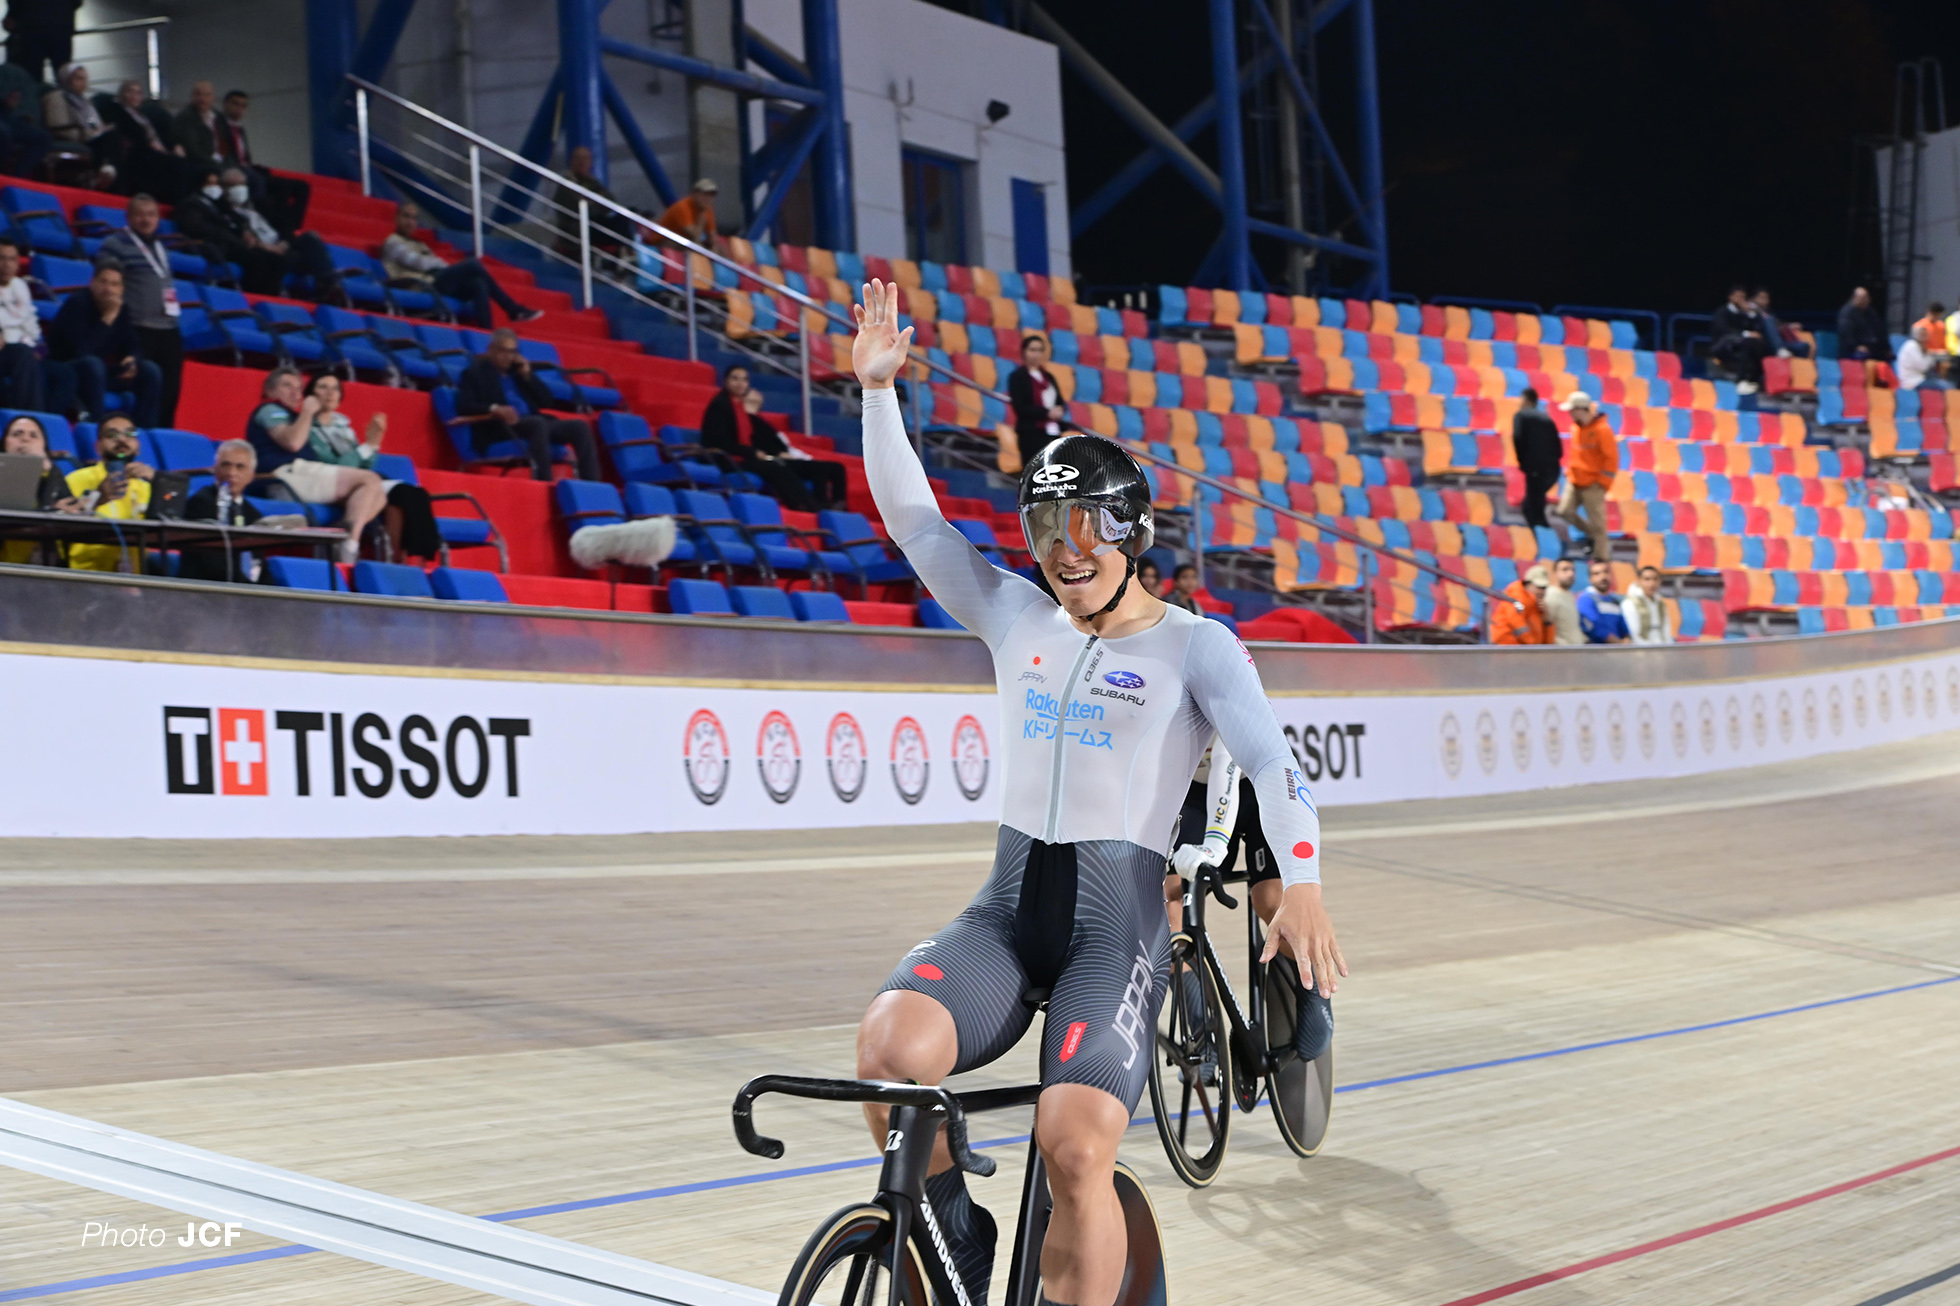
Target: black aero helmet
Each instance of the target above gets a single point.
(1089, 489)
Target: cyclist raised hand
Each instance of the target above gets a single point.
(1108, 699)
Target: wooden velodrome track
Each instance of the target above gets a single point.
(494, 1026)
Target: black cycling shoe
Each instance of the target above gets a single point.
(1314, 1031)
(969, 1230)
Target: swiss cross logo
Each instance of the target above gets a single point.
(241, 751)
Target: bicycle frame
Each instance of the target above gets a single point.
(1248, 1030)
(918, 1112)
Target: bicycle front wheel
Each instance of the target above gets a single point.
(848, 1261)
(1191, 1075)
(1302, 1091)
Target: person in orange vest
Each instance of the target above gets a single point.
(1511, 625)
(1935, 324)
(1590, 466)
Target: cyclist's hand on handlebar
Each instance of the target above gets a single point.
(1302, 922)
(1189, 857)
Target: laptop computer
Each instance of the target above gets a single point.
(20, 481)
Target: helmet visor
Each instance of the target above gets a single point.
(1089, 527)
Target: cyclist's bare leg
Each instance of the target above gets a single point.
(906, 1036)
(1078, 1128)
(1174, 901)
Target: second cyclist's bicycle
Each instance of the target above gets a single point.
(1212, 1050)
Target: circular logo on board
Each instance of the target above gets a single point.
(705, 757)
(1677, 728)
(1858, 713)
(1451, 740)
(1582, 730)
(911, 767)
(1930, 692)
(846, 757)
(1836, 710)
(1953, 689)
(1908, 694)
(1616, 732)
(1706, 714)
(1646, 730)
(1786, 715)
(1521, 738)
(1882, 691)
(1732, 717)
(1759, 721)
(1487, 743)
(970, 758)
(778, 757)
(1554, 736)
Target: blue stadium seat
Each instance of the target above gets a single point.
(761, 601)
(394, 579)
(640, 455)
(404, 348)
(764, 518)
(818, 605)
(477, 532)
(178, 451)
(934, 617)
(467, 585)
(353, 343)
(38, 220)
(698, 598)
(361, 277)
(232, 314)
(293, 327)
(876, 561)
(588, 503)
(302, 573)
(980, 535)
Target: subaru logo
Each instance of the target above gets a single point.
(1125, 679)
(1055, 474)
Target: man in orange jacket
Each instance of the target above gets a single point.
(1590, 467)
(1509, 625)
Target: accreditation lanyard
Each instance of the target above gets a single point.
(160, 266)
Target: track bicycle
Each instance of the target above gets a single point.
(894, 1236)
(1211, 1051)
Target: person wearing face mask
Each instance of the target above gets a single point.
(92, 348)
(201, 217)
(268, 256)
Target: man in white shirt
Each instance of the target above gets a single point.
(1561, 605)
(1645, 612)
(20, 355)
(1916, 366)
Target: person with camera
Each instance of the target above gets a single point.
(115, 486)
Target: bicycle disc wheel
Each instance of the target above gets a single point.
(1302, 1092)
(848, 1261)
(1191, 1075)
(1143, 1268)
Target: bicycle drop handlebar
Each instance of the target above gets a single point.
(930, 1097)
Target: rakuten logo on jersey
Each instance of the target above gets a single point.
(229, 751)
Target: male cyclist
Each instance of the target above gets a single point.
(1109, 697)
(1220, 822)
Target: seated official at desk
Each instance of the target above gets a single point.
(117, 487)
(25, 436)
(236, 464)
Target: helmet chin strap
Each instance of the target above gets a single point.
(1121, 589)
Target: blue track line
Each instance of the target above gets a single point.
(861, 1163)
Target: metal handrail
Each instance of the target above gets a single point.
(364, 88)
(152, 46)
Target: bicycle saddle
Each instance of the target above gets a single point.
(1035, 996)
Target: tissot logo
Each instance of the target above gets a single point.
(237, 757)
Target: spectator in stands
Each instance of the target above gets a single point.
(1595, 462)
(91, 343)
(1783, 339)
(411, 263)
(693, 214)
(1935, 324)
(1184, 589)
(270, 256)
(1535, 440)
(20, 333)
(499, 398)
(283, 200)
(409, 518)
(151, 158)
(203, 218)
(1039, 413)
(280, 431)
(1149, 577)
(1561, 606)
(23, 140)
(41, 33)
(610, 231)
(115, 486)
(1916, 366)
(232, 471)
(72, 117)
(1599, 608)
(733, 427)
(1740, 343)
(197, 127)
(823, 478)
(1522, 621)
(1860, 334)
(1644, 612)
(151, 298)
(26, 436)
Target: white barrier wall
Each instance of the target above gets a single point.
(213, 750)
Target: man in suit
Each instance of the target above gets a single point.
(223, 501)
(197, 127)
(500, 399)
(281, 199)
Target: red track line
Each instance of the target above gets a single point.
(1689, 1235)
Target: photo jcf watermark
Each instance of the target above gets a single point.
(197, 1233)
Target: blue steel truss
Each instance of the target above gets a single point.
(581, 96)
